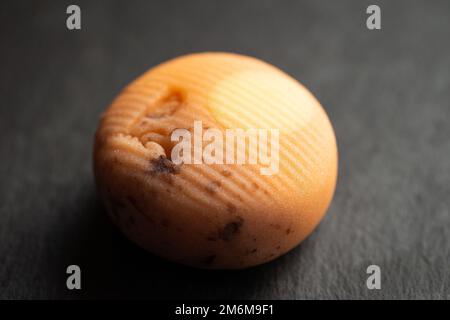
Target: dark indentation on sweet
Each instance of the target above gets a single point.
(276, 226)
(231, 229)
(164, 165)
(266, 192)
(158, 136)
(254, 239)
(209, 260)
(231, 208)
(278, 247)
(167, 107)
(212, 187)
(288, 230)
(254, 250)
(226, 173)
(255, 185)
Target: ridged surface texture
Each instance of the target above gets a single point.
(219, 215)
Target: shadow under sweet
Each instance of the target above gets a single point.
(114, 267)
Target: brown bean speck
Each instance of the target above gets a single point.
(164, 165)
(231, 229)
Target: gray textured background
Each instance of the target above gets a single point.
(386, 92)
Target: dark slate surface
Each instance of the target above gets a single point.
(386, 92)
